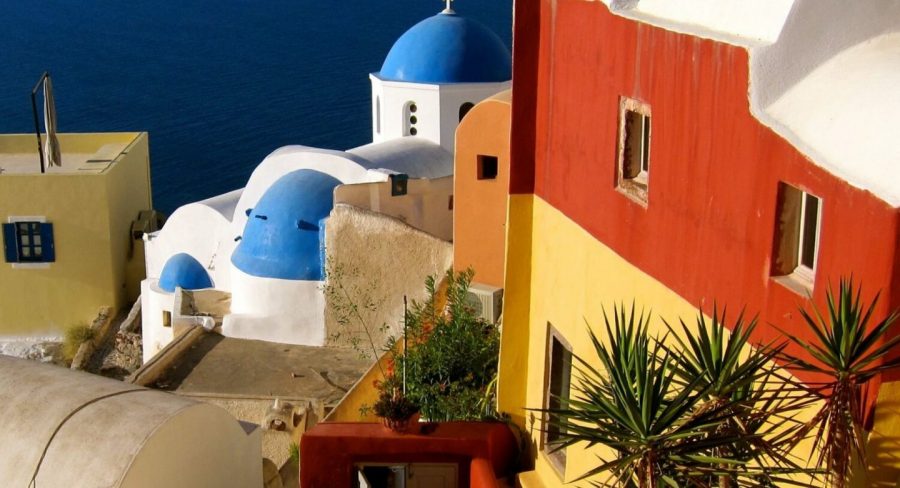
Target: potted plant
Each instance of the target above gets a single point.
(397, 412)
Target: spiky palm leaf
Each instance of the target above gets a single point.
(635, 404)
(730, 371)
(850, 351)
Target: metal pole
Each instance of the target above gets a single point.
(405, 353)
(37, 127)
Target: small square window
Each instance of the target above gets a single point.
(634, 149)
(487, 167)
(797, 231)
(558, 378)
(399, 184)
(28, 242)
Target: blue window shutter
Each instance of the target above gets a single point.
(47, 246)
(10, 243)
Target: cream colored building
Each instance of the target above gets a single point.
(72, 234)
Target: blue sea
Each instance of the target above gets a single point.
(217, 84)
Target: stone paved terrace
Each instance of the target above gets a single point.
(229, 367)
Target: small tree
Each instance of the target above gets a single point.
(850, 348)
(451, 355)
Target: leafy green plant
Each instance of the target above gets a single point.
(74, 337)
(294, 449)
(451, 354)
(850, 348)
(355, 304)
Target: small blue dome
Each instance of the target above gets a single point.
(447, 48)
(283, 235)
(182, 270)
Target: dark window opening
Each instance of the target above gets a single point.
(464, 109)
(487, 167)
(558, 382)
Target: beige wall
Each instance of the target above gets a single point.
(383, 258)
(91, 213)
(426, 206)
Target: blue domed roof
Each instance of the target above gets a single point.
(283, 235)
(448, 48)
(182, 270)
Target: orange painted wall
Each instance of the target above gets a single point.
(707, 232)
(479, 206)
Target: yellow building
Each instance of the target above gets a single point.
(71, 235)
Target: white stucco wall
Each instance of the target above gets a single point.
(154, 301)
(269, 309)
(438, 108)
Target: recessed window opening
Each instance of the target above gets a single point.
(634, 148)
(378, 115)
(487, 167)
(797, 233)
(559, 374)
(464, 109)
(410, 120)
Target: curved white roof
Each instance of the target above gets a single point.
(75, 429)
(417, 157)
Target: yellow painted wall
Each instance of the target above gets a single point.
(559, 274)
(91, 213)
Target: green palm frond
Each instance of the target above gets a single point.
(851, 350)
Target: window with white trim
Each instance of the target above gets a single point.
(28, 241)
(797, 232)
(634, 149)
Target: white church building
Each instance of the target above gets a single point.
(265, 244)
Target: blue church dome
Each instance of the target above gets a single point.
(447, 48)
(283, 235)
(182, 270)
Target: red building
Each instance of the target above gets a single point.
(680, 153)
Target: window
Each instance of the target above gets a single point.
(634, 149)
(399, 184)
(28, 241)
(464, 109)
(487, 167)
(378, 115)
(411, 119)
(559, 373)
(797, 230)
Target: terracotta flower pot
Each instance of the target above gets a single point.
(402, 426)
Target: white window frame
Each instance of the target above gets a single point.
(802, 271)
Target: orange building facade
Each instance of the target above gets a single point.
(481, 189)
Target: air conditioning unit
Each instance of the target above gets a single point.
(486, 301)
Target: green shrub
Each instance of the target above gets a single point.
(74, 337)
(451, 360)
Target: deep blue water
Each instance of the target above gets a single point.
(217, 84)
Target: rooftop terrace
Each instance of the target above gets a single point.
(89, 153)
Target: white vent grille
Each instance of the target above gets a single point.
(487, 301)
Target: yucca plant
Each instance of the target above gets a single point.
(850, 347)
(636, 404)
(762, 401)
